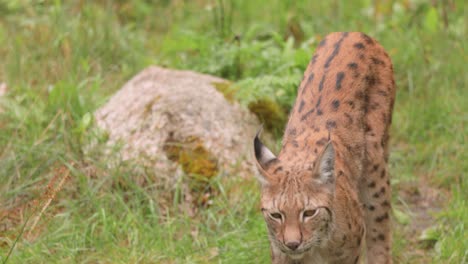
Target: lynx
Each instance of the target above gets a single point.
(326, 196)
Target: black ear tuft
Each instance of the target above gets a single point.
(258, 145)
(262, 154)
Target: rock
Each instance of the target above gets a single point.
(179, 119)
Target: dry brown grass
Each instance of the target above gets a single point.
(18, 217)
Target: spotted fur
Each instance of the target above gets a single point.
(327, 194)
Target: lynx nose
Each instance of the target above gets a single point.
(293, 245)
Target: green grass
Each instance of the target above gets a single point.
(63, 59)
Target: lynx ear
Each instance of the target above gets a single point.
(263, 156)
(325, 166)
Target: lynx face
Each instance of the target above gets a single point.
(296, 201)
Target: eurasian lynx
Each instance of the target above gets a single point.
(329, 187)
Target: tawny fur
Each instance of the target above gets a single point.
(346, 98)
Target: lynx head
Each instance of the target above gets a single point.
(297, 200)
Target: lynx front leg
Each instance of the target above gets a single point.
(376, 195)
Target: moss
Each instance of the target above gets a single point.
(192, 156)
(271, 114)
(198, 164)
(227, 89)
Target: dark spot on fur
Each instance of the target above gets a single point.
(292, 131)
(375, 106)
(375, 167)
(367, 39)
(314, 59)
(330, 124)
(301, 106)
(323, 42)
(310, 78)
(359, 95)
(366, 102)
(359, 45)
(336, 50)
(351, 104)
(371, 185)
(294, 143)
(377, 61)
(321, 83)
(352, 65)
(306, 115)
(319, 112)
(382, 93)
(336, 104)
(382, 174)
(371, 80)
(382, 190)
(385, 204)
(381, 237)
(318, 102)
(381, 218)
(376, 195)
(371, 207)
(339, 79)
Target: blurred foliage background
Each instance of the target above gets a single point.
(63, 59)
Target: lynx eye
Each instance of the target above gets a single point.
(309, 213)
(276, 216)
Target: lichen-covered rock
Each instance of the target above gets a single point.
(179, 119)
